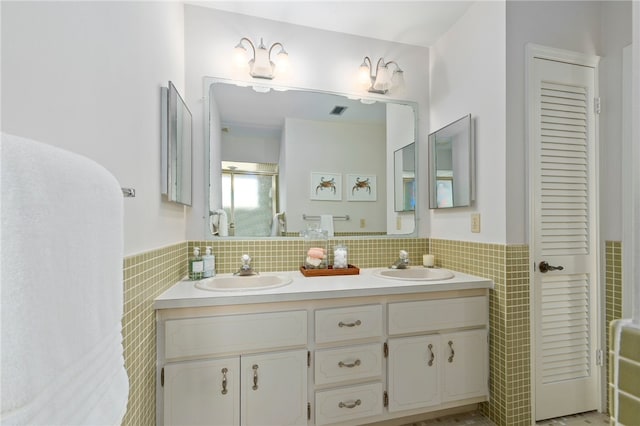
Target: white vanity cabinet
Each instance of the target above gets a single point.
(227, 384)
(439, 365)
(311, 361)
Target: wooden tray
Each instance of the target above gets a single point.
(349, 270)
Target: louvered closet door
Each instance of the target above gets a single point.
(565, 301)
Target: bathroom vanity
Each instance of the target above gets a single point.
(335, 350)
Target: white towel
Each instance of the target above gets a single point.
(326, 223)
(223, 223)
(62, 295)
(277, 224)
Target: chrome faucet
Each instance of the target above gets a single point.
(246, 268)
(402, 262)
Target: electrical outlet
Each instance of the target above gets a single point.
(475, 222)
(398, 223)
(363, 223)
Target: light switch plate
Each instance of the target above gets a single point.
(475, 222)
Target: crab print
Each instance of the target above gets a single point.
(361, 184)
(326, 184)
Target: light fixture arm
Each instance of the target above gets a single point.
(253, 48)
(380, 81)
(260, 64)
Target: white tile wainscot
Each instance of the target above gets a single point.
(337, 350)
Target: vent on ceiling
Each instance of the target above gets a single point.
(338, 110)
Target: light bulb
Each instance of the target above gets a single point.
(363, 75)
(240, 55)
(282, 61)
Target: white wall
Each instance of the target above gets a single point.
(468, 76)
(315, 146)
(320, 60)
(251, 145)
(594, 28)
(86, 77)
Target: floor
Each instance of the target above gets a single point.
(477, 419)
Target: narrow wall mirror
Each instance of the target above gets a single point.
(451, 165)
(404, 176)
(308, 135)
(176, 147)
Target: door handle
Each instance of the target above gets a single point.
(545, 267)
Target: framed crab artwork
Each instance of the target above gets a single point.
(326, 186)
(361, 187)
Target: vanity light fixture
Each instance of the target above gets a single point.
(261, 66)
(384, 79)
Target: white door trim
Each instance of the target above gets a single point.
(532, 52)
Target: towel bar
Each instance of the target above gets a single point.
(308, 217)
(128, 192)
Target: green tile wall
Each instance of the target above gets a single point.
(613, 291)
(145, 277)
(508, 267)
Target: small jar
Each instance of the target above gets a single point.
(340, 257)
(315, 255)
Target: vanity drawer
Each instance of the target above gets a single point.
(345, 324)
(348, 363)
(348, 403)
(227, 334)
(442, 314)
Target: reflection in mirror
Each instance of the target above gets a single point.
(176, 147)
(451, 168)
(404, 160)
(249, 199)
(304, 134)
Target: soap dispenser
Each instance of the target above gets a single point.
(196, 265)
(209, 264)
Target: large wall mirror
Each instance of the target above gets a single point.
(283, 160)
(451, 165)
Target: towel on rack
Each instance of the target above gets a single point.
(326, 223)
(223, 223)
(62, 294)
(277, 224)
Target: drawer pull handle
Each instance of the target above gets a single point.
(224, 381)
(255, 377)
(432, 356)
(349, 404)
(453, 353)
(351, 365)
(349, 324)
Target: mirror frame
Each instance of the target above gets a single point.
(469, 135)
(177, 148)
(265, 86)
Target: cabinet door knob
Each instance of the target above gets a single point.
(432, 356)
(353, 404)
(224, 381)
(349, 324)
(453, 353)
(255, 377)
(350, 365)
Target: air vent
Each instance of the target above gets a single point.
(338, 110)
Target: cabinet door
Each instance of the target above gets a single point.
(274, 389)
(202, 392)
(413, 370)
(465, 364)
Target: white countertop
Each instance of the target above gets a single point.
(184, 294)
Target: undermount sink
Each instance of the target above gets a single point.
(415, 274)
(243, 283)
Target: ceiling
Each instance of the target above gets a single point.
(418, 23)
